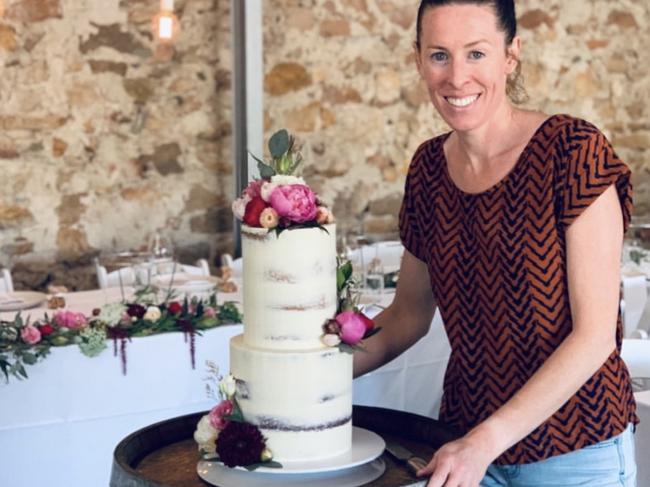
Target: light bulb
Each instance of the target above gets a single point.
(165, 23)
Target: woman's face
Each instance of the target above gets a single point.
(462, 59)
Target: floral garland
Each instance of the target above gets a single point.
(23, 343)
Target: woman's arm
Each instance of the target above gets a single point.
(404, 322)
(593, 246)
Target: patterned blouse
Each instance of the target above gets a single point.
(498, 271)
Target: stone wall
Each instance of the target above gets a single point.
(106, 139)
(104, 143)
(341, 75)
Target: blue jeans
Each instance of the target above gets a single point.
(609, 463)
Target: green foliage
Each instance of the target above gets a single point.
(15, 353)
(285, 158)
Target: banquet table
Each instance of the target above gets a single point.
(73, 410)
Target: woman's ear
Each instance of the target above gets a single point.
(416, 54)
(512, 55)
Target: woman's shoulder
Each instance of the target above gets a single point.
(430, 151)
(566, 128)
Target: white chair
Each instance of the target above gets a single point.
(633, 304)
(128, 276)
(6, 282)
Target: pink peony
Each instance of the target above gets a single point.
(217, 419)
(30, 335)
(352, 326)
(70, 319)
(295, 202)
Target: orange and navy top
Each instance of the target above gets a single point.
(498, 271)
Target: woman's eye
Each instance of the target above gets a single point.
(476, 55)
(439, 56)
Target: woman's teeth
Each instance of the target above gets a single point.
(461, 102)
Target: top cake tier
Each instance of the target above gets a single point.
(289, 286)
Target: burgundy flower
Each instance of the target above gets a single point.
(240, 444)
(254, 209)
(136, 311)
(46, 329)
(174, 308)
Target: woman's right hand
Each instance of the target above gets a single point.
(404, 322)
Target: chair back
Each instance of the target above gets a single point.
(6, 282)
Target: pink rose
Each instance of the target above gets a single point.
(209, 312)
(239, 206)
(295, 202)
(30, 335)
(70, 319)
(352, 326)
(218, 413)
(254, 189)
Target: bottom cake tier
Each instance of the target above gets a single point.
(301, 400)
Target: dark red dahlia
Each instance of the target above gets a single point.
(174, 307)
(240, 444)
(46, 329)
(136, 310)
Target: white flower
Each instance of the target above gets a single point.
(239, 206)
(112, 313)
(331, 340)
(153, 314)
(228, 386)
(282, 179)
(267, 188)
(206, 435)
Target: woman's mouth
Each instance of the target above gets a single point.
(461, 102)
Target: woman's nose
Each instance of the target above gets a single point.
(458, 74)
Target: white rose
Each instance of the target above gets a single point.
(228, 386)
(153, 314)
(112, 313)
(239, 206)
(331, 340)
(282, 179)
(267, 188)
(206, 435)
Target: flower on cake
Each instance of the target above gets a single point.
(350, 326)
(279, 199)
(224, 435)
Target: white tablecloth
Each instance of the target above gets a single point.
(73, 410)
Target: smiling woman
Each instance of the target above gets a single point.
(513, 225)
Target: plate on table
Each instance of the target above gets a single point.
(19, 300)
(358, 466)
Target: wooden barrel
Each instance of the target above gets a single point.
(165, 454)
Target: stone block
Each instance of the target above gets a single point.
(70, 209)
(285, 78)
(12, 216)
(29, 11)
(8, 38)
(112, 37)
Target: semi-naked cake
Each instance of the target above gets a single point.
(294, 388)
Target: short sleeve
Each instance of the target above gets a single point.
(587, 167)
(409, 228)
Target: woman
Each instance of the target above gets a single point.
(513, 225)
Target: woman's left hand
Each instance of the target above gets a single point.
(460, 463)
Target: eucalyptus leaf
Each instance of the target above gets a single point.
(29, 358)
(279, 143)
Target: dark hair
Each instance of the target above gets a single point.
(507, 23)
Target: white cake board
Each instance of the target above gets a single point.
(358, 466)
